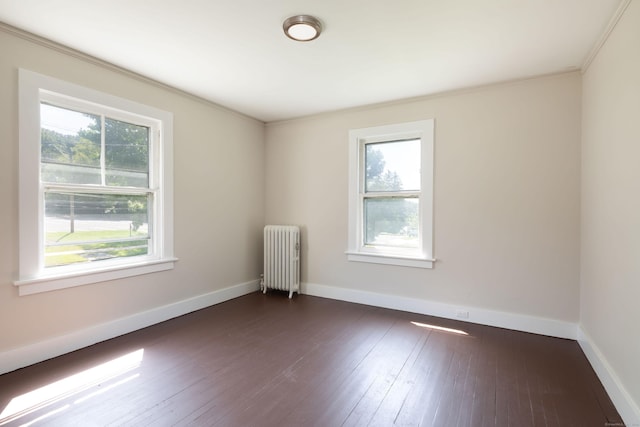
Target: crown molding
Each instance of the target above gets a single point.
(66, 50)
(605, 35)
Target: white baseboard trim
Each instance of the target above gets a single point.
(519, 322)
(24, 356)
(623, 402)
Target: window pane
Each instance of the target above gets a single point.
(70, 146)
(83, 228)
(392, 166)
(391, 222)
(126, 154)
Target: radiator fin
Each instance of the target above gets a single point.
(282, 258)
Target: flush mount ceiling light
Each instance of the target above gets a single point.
(302, 28)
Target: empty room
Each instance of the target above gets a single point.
(323, 213)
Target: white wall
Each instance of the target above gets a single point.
(219, 209)
(507, 170)
(610, 249)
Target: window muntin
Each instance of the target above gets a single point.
(391, 194)
(101, 155)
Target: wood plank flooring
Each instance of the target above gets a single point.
(265, 360)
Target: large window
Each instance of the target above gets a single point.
(95, 186)
(391, 194)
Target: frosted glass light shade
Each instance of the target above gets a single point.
(302, 28)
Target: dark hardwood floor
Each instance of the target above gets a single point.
(265, 360)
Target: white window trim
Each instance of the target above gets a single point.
(32, 276)
(423, 257)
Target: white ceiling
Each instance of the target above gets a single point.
(234, 53)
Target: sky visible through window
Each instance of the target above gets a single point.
(66, 122)
(403, 159)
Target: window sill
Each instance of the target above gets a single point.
(390, 259)
(51, 282)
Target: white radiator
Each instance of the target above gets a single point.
(281, 258)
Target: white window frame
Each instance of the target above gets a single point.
(357, 250)
(33, 277)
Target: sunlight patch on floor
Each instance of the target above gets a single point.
(440, 328)
(51, 393)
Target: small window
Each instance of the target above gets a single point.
(95, 186)
(390, 204)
